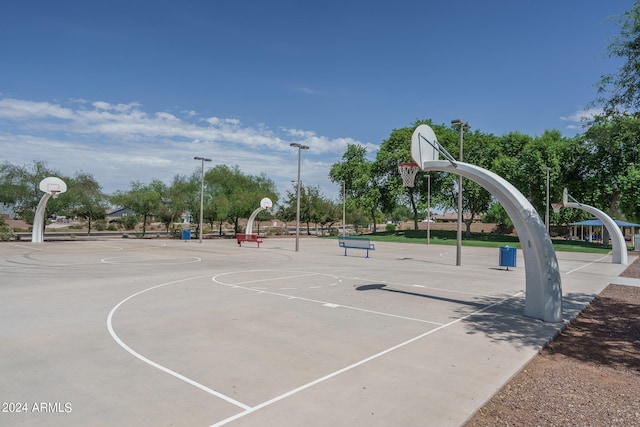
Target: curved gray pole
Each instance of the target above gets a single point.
(249, 229)
(618, 247)
(37, 234)
(542, 273)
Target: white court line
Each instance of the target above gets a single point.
(147, 261)
(354, 365)
(268, 279)
(29, 247)
(586, 265)
(156, 365)
(291, 297)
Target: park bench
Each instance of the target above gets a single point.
(248, 238)
(348, 242)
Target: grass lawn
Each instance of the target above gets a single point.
(488, 240)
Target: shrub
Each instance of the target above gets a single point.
(391, 228)
(6, 233)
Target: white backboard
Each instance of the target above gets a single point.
(266, 203)
(423, 142)
(53, 185)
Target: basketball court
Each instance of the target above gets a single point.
(167, 332)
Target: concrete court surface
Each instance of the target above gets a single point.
(135, 332)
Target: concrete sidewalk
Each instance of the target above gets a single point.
(165, 332)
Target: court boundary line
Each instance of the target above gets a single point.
(334, 305)
(250, 409)
(157, 365)
(587, 264)
(356, 364)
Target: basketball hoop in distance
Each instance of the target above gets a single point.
(53, 185)
(556, 207)
(408, 172)
(266, 203)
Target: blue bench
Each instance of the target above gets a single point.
(364, 243)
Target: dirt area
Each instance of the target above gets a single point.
(588, 376)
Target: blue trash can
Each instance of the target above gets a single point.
(186, 234)
(507, 256)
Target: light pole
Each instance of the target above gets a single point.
(202, 159)
(428, 208)
(463, 126)
(300, 147)
(344, 207)
(546, 216)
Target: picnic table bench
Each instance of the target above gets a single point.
(240, 237)
(348, 242)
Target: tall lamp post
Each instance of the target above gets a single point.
(202, 159)
(344, 208)
(462, 125)
(300, 147)
(428, 208)
(546, 216)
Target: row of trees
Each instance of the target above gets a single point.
(229, 195)
(600, 168)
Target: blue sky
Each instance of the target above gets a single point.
(133, 90)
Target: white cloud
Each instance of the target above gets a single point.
(121, 143)
(305, 90)
(581, 116)
(22, 110)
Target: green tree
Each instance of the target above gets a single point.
(19, 188)
(238, 194)
(314, 208)
(86, 199)
(523, 161)
(609, 150)
(143, 200)
(630, 197)
(619, 92)
(176, 199)
(356, 171)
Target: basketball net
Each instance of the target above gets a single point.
(55, 193)
(556, 207)
(408, 172)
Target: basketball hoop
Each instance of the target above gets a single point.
(556, 207)
(55, 193)
(408, 172)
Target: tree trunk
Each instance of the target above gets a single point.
(373, 217)
(467, 223)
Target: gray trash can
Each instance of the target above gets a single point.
(507, 256)
(186, 234)
(636, 242)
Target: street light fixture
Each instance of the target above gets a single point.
(300, 147)
(202, 159)
(462, 125)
